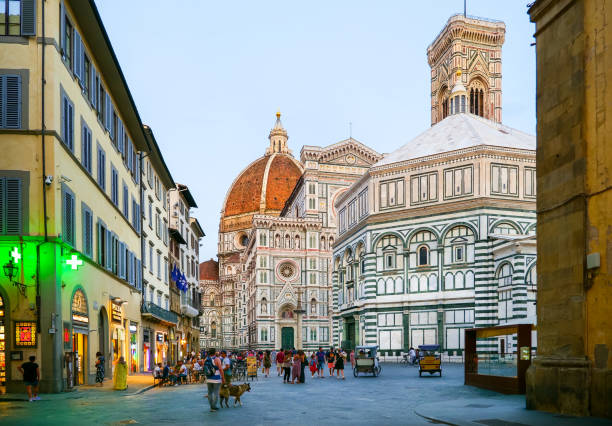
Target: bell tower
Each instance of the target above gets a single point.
(466, 54)
(278, 138)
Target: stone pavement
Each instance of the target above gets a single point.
(397, 397)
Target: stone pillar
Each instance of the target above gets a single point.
(572, 373)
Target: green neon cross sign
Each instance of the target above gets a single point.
(74, 262)
(15, 254)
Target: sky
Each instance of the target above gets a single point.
(208, 77)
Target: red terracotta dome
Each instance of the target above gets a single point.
(209, 270)
(264, 186)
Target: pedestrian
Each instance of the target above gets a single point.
(295, 369)
(287, 367)
(99, 368)
(352, 355)
(320, 363)
(313, 364)
(412, 355)
(31, 377)
(331, 361)
(214, 379)
(340, 356)
(303, 363)
(182, 373)
(280, 356)
(120, 375)
(227, 367)
(267, 364)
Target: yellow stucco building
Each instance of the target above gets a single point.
(70, 217)
(572, 373)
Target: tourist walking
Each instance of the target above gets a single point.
(280, 357)
(313, 364)
(296, 368)
(99, 368)
(287, 367)
(303, 363)
(214, 379)
(120, 375)
(267, 363)
(340, 356)
(320, 363)
(31, 377)
(331, 362)
(227, 367)
(352, 356)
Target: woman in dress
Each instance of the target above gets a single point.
(313, 364)
(267, 363)
(296, 368)
(120, 377)
(340, 363)
(99, 368)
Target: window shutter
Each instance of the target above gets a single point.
(93, 90)
(63, 28)
(70, 123)
(10, 101)
(109, 111)
(77, 62)
(69, 218)
(28, 17)
(10, 206)
(108, 248)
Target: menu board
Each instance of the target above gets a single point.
(116, 312)
(25, 334)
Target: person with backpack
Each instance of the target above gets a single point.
(214, 378)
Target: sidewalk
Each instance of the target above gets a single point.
(137, 384)
(500, 410)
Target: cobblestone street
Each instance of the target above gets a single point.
(390, 399)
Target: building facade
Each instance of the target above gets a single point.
(210, 321)
(158, 320)
(72, 219)
(72, 204)
(572, 373)
(439, 236)
(276, 232)
(187, 234)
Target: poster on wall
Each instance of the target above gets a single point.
(116, 312)
(25, 334)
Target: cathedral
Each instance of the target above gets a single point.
(272, 285)
(346, 246)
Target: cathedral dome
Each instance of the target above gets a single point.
(263, 186)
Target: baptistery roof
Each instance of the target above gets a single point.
(460, 131)
(263, 186)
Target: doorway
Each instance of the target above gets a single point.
(103, 340)
(79, 347)
(287, 338)
(349, 336)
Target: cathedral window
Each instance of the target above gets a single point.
(504, 275)
(213, 330)
(389, 260)
(313, 334)
(263, 240)
(313, 278)
(423, 256)
(392, 193)
(459, 253)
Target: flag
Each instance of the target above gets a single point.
(174, 275)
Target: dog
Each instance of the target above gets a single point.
(233, 390)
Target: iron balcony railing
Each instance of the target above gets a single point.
(159, 313)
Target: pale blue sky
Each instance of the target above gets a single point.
(208, 77)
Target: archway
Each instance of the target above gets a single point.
(103, 340)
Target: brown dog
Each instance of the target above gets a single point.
(232, 390)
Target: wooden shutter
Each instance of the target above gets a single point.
(10, 101)
(68, 218)
(70, 122)
(108, 249)
(77, 62)
(28, 17)
(93, 89)
(10, 206)
(63, 28)
(87, 232)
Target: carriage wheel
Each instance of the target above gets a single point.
(355, 373)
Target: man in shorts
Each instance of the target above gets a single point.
(321, 363)
(31, 377)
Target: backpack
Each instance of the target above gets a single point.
(209, 368)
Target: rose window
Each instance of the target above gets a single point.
(287, 270)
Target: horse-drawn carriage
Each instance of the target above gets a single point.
(366, 361)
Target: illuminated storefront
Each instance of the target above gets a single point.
(80, 334)
(2, 344)
(117, 331)
(133, 347)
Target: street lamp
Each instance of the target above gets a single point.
(10, 270)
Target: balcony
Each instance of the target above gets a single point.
(154, 313)
(189, 306)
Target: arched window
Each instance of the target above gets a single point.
(212, 300)
(423, 256)
(277, 241)
(323, 244)
(264, 306)
(287, 241)
(262, 239)
(244, 240)
(504, 275)
(297, 242)
(313, 306)
(213, 330)
(532, 276)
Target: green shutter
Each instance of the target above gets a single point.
(10, 101)
(13, 206)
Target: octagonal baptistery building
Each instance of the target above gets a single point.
(262, 188)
